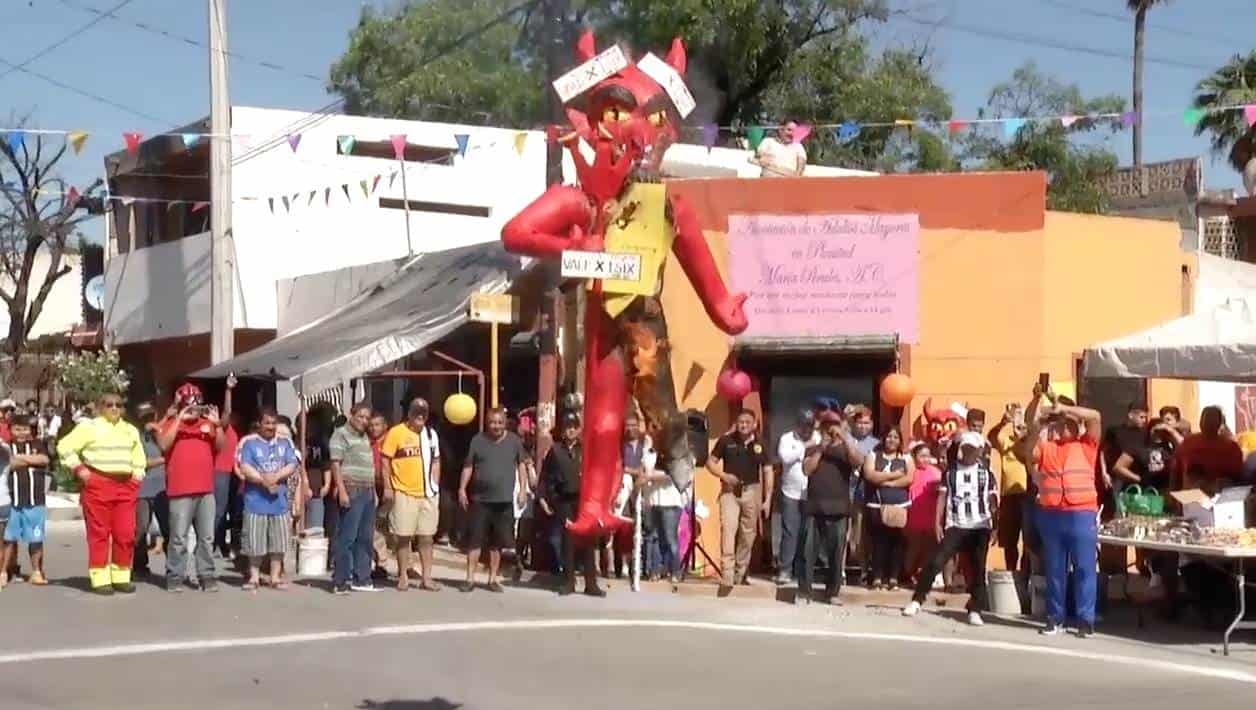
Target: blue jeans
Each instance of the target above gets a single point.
(788, 563)
(353, 538)
(1069, 538)
(666, 522)
(314, 514)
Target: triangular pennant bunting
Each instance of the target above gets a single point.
(72, 198)
(907, 123)
(190, 140)
(392, 178)
(955, 127)
(802, 132)
(755, 134)
(327, 196)
(521, 142)
(294, 140)
(287, 207)
(271, 202)
(710, 134)
(15, 139)
(1012, 126)
(1129, 118)
(1249, 112)
(375, 183)
(345, 187)
(133, 140)
(313, 194)
(1193, 116)
(76, 139)
(346, 144)
(399, 146)
(462, 139)
(198, 206)
(366, 188)
(847, 130)
(1068, 121)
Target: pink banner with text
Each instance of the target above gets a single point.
(827, 275)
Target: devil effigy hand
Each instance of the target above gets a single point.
(730, 314)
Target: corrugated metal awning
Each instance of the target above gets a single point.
(817, 345)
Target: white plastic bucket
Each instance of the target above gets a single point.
(312, 556)
(1003, 597)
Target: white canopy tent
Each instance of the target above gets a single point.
(1218, 344)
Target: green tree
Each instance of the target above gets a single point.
(1140, 9)
(1074, 166)
(1234, 84)
(411, 64)
(749, 63)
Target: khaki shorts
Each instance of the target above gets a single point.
(411, 516)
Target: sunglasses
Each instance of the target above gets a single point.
(111, 405)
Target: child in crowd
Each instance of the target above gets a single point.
(26, 482)
(922, 536)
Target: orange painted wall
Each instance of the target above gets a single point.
(1007, 290)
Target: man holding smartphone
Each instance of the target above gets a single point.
(190, 436)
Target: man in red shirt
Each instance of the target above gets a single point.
(1210, 459)
(190, 436)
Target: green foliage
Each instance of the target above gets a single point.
(396, 65)
(1074, 167)
(87, 375)
(1233, 84)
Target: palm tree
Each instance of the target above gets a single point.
(1139, 8)
(1232, 85)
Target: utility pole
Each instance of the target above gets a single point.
(558, 53)
(222, 244)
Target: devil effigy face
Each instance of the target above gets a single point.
(941, 425)
(629, 118)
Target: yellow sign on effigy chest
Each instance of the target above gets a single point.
(641, 227)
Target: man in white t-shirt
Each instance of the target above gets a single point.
(791, 450)
(783, 156)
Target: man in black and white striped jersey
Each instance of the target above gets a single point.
(967, 505)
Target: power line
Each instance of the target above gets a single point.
(321, 114)
(1211, 38)
(145, 27)
(1024, 38)
(83, 92)
(61, 42)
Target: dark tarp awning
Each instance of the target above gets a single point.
(425, 300)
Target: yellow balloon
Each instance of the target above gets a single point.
(460, 409)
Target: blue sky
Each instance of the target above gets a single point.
(168, 79)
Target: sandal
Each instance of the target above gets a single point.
(249, 586)
(429, 586)
(281, 586)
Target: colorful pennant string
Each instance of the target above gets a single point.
(463, 140)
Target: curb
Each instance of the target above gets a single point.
(64, 506)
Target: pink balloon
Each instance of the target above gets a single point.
(733, 385)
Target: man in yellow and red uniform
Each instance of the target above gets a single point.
(106, 455)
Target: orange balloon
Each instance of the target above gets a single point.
(897, 390)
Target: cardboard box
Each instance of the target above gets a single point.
(1225, 511)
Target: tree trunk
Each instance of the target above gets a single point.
(1140, 31)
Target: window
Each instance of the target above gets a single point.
(435, 207)
(384, 149)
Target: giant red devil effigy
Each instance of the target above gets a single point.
(628, 114)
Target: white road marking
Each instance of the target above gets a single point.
(135, 649)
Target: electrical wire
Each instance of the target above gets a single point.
(85, 93)
(1035, 40)
(1211, 38)
(61, 42)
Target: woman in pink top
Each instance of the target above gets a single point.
(922, 536)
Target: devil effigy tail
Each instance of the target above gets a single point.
(590, 525)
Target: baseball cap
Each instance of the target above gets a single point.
(145, 409)
(570, 419)
(973, 439)
(830, 417)
(7, 403)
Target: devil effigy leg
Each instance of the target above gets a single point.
(606, 396)
(645, 337)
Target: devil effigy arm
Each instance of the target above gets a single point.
(555, 221)
(694, 255)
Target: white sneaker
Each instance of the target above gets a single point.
(974, 619)
(912, 609)
(364, 588)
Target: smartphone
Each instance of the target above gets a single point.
(1044, 381)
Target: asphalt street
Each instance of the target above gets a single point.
(528, 648)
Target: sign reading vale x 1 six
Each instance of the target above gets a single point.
(601, 265)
